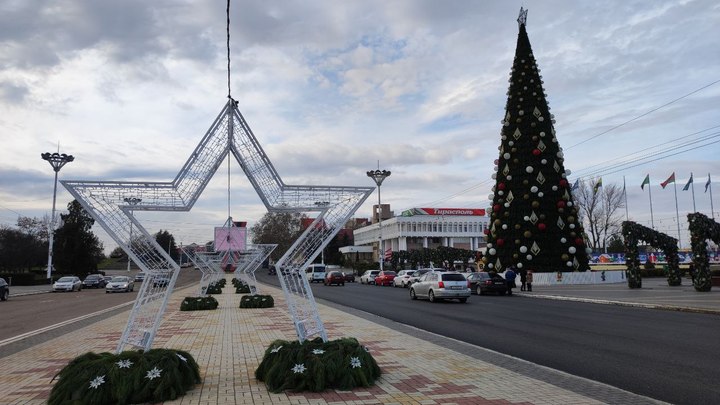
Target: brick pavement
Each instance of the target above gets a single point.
(229, 343)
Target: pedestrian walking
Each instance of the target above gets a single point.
(523, 279)
(510, 276)
(529, 281)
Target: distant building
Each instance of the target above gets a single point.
(417, 228)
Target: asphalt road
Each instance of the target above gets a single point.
(666, 355)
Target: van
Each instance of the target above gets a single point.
(316, 273)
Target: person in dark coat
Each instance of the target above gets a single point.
(510, 276)
(529, 280)
(523, 279)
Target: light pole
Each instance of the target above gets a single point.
(57, 161)
(378, 176)
(132, 201)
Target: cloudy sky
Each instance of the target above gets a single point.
(330, 88)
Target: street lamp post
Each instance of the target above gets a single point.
(378, 176)
(57, 161)
(132, 201)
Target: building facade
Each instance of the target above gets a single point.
(417, 228)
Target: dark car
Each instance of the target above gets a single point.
(483, 282)
(349, 277)
(94, 281)
(4, 290)
(334, 277)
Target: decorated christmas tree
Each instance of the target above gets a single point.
(534, 222)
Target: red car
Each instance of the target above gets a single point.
(334, 277)
(385, 278)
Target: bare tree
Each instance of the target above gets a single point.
(599, 208)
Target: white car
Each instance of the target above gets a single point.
(369, 276)
(402, 279)
(67, 283)
(120, 283)
(417, 274)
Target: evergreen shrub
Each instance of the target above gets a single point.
(214, 288)
(198, 303)
(257, 301)
(127, 378)
(242, 289)
(316, 366)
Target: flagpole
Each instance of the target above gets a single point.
(692, 186)
(625, 194)
(677, 214)
(652, 221)
(712, 209)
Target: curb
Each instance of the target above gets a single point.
(622, 303)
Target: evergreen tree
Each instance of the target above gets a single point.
(166, 240)
(76, 249)
(534, 223)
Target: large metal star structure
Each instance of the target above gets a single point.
(229, 133)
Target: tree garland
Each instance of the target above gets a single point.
(240, 287)
(315, 366)
(632, 234)
(257, 301)
(198, 303)
(701, 229)
(216, 287)
(129, 377)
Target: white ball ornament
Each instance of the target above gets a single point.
(492, 251)
(506, 155)
(491, 196)
(554, 188)
(568, 172)
(504, 226)
(533, 189)
(544, 161)
(572, 226)
(503, 137)
(563, 240)
(521, 112)
(560, 154)
(541, 119)
(519, 265)
(494, 176)
(569, 204)
(523, 249)
(542, 134)
(529, 169)
(509, 177)
(511, 143)
(528, 257)
(569, 264)
(588, 250)
(527, 218)
(563, 176)
(571, 250)
(507, 205)
(500, 192)
(490, 266)
(540, 194)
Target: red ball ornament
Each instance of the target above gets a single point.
(496, 207)
(541, 226)
(501, 186)
(578, 241)
(500, 242)
(563, 183)
(561, 204)
(536, 152)
(486, 231)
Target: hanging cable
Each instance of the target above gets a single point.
(227, 11)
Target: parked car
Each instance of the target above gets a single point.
(349, 277)
(140, 277)
(482, 282)
(94, 281)
(334, 277)
(402, 278)
(107, 279)
(4, 290)
(439, 285)
(417, 274)
(120, 283)
(315, 273)
(369, 276)
(161, 280)
(67, 283)
(385, 277)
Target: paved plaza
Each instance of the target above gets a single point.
(418, 367)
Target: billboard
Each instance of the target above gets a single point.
(445, 211)
(230, 239)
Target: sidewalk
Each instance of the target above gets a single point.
(229, 343)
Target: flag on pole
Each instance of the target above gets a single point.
(707, 184)
(575, 185)
(687, 186)
(388, 254)
(597, 185)
(646, 181)
(670, 179)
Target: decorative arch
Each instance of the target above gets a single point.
(633, 233)
(701, 229)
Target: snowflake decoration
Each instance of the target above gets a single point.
(97, 382)
(124, 363)
(153, 374)
(318, 351)
(181, 357)
(355, 362)
(298, 368)
(275, 350)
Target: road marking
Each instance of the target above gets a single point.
(61, 324)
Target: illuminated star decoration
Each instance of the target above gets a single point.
(298, 368)
(106, 202)
(318, 351)
(124, 363)
(275, 350)
(181, 357)
(153, 374)
(97, 382)
(355, 362)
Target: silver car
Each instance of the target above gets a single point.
(120, 283)
(67, 283)
(369, 276)
(440, 285)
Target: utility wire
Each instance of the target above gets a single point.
(227, 11)
(644, 114)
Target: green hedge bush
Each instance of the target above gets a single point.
(316, 366)
(127, 378)
(257, 301)
(198, 303)
(214, 288)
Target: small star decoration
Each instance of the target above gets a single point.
(181, 357)
(298, 368)
(318, 351)
(355, 362)
(124, 363)
(153, 374)
(275, 350)
(97, 382)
